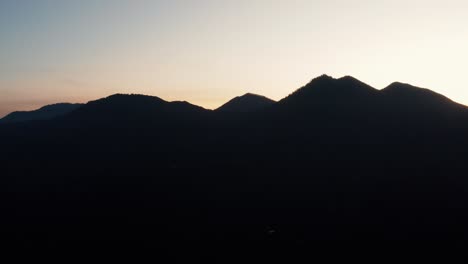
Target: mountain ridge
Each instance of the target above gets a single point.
(337, 161)
(320, 91)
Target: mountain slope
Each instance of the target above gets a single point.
(44, 113)
(405, 95)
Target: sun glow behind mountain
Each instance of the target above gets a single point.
(208, 52)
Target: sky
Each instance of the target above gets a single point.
(209, 51)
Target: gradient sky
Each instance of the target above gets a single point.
(208, 51)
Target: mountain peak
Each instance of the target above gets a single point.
(131, 108)
(324, 77)
(406, 93)
(405, 89)
(321, 79)
(345, 83)
(326, 88)
(251, 95)
(119, 97)
(401, 86)
(126, 102)
(349, 79)
(246, 103)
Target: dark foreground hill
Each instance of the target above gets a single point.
(336, 169)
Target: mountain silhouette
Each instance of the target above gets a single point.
(336, 166)
(44, 113)
(133, 107)
(328, 98)
(246, 103)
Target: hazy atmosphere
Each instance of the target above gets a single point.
(207, 52)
